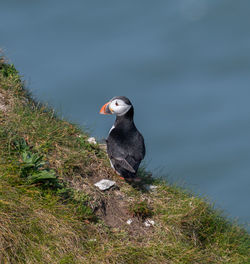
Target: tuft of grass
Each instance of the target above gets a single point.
(9, 71)
(141, 209)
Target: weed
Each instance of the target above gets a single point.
(32, 168)
(8, 70)
(141, 209)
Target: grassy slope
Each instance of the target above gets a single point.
(66, 220)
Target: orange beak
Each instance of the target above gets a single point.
(105, 110)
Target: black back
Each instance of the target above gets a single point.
(125, 144)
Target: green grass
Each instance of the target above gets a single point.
(50, 211)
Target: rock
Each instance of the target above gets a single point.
(149, 222)
(104, 184)
(150, 188)
(91, 140)
(129, 222)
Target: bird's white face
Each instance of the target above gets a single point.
(116, 106)
(119, 107)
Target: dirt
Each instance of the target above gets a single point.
(111, 206)
(115, 213)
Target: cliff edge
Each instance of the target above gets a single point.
(51, 211)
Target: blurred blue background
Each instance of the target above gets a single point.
(185, 65)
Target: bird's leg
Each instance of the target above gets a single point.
(133, 179)
(137, 179)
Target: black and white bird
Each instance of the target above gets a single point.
(125, 144)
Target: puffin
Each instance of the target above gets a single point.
(125, 144)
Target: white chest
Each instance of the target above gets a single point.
(111, 128)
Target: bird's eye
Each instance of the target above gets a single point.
(116, 104)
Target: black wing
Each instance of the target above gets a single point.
(126, 150)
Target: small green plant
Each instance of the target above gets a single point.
(8, 70)
(141, 210)
(32, 167)
(31, 162)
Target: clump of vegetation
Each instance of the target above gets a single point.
(51, 212)
(32, 168)
(141, 209)
(8, 70)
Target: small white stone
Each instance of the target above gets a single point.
(3, 107)
(150, 188)
(129, 222)
(149, 222)
(91, 140)
(104, 184)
